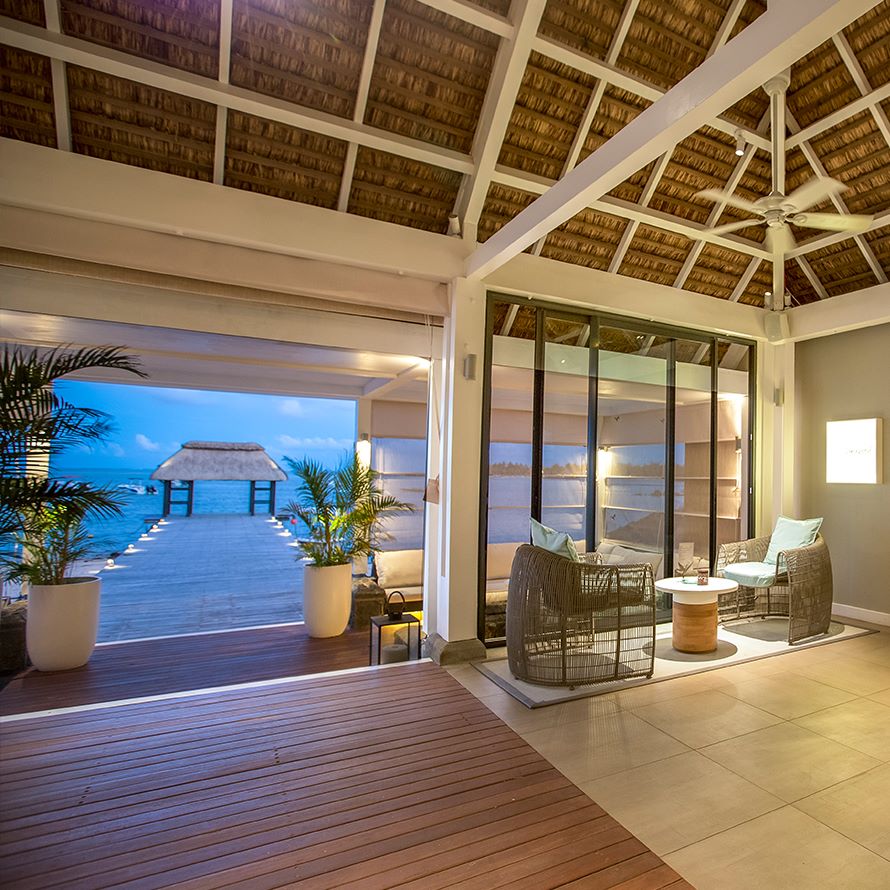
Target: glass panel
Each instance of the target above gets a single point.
(566, 384)
(631, 440)
(692, 456)
(401, 464)
(509, 453)
(733, 443)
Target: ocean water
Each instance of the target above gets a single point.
(140, 510)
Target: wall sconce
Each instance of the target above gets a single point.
(470, 366)
(853, 451)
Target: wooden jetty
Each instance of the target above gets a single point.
(203, 573)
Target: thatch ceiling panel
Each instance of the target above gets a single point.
(584, 25)
(284, 162)
(879, 241)
(717, 271)
(181, 33)
(669, 38)
(798, 285)
(820, 84)
(617, 109)
(501, 205)
(655, 255)
(854, 152)
(309, 53)
(705, 159)
(754, 184)
(501, 7)
(430, 75)
(522, 326)
(841, 268)
(399, 190)
(30, 11)
(26, 97)
(587, 239)
(797, 170)
(869, 38)
(131, 123)
(632, 188)
(546, 116)
(760, 283)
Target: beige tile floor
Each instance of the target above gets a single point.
(770, 774)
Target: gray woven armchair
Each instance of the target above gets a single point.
(574, 623)
(803, 593)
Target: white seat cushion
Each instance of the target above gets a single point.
(615, 555)
(500, 559)
(751, 574)
(398, 569)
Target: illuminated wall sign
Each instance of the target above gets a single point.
(853, 451)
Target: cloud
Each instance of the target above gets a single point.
(313, 442)
(145, 443)
(188, 396)
(115, 450)
(292, 408)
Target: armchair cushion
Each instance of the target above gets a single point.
(751, 574)
(623, 556)
(556, 542)
(790, 534)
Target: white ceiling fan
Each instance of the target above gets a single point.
(779, 211)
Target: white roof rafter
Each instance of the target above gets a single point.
(61, 109)
(863, 103)
(222, 114)
(745, 280)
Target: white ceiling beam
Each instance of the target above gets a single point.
(731, 185)
(784, 33)
(507, 326)
(869, 100)
(880, 220)
(473, 15)
(862, 84)
(61, 108)
(379, 387)
(500, 97)
(812, 277)
(726, 26)
(627, 210)
(593, 104)
(98, 58)
(632, 84)
(361, 100)
(745, 280)
(222, 114)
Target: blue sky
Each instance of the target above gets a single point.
(152, 422)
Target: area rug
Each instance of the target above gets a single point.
(737, 642)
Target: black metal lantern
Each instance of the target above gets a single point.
(394, 638)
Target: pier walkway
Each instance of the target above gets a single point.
(203, 573)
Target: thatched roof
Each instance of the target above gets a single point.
(428, 76)
(221, 461)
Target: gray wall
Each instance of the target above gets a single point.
(843, 377)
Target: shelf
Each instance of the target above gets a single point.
(676, 478)
(676, 512)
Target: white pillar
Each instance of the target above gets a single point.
(455, 636)
(431, 512)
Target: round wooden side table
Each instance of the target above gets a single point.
(695, 611)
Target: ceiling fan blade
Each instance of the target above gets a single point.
(814, 191)
(728, 198)
(834, 222)
(733, 226)
(780, 240)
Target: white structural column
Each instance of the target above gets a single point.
(432, 509)
(784, 33)
(455, 620)
(61, 108)
(503, 87)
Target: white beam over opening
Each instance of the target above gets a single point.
(500, 97)
(361, 100)
(380, 387)
(784, 33)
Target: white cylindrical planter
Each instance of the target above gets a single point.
(63, 621)
(327, 599)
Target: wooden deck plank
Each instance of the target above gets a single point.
(321, 783)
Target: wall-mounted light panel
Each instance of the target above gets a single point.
(853, 451)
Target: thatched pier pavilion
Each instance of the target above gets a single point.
(219, 462)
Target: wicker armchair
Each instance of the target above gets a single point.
(803, 593)
(573, 623)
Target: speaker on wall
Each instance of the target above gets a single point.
(776, 327)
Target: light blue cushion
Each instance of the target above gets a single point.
(791, 533)
(554, 541)
(751, 574)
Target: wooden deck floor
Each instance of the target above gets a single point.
(156, 667)
(391, 778)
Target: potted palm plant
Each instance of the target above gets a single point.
(42, 535)
(341, 510)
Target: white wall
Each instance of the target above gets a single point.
(843, 377)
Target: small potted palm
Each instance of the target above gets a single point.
(342, 510)
(42, 532)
